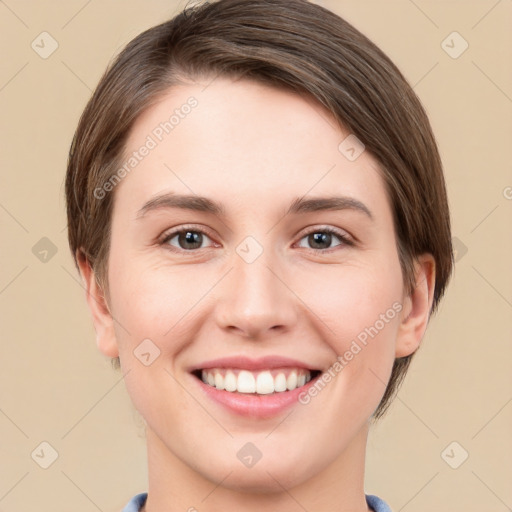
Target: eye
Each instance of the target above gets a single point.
(187, 239)
(322, 238)
(190, 238)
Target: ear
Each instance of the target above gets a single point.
(102, 318)
(417, 306)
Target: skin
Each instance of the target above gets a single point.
(254, 149)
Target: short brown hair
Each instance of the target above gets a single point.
(292, 44)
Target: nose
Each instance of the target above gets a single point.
(257, 301)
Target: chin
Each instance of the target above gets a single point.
(265, 477)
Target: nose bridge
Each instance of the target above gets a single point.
(255, 300)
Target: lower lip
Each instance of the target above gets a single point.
(253, 405)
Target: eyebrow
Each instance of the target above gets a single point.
(206, 205)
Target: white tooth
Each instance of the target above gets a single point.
(219, 380)
(246, 382)
(291, 381)
(264, 383)
(280, 382)
(230, 381)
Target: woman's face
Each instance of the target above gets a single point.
(272, 282)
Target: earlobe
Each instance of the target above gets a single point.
(101, 316)
(417, 307)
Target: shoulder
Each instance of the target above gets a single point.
(374, 502)
(135, 504)
(377, 504)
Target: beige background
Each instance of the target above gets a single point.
(56, 387)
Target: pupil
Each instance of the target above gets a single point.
(321, 238)
(192, 237)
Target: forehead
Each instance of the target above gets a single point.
(241, 139)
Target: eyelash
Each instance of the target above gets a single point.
(344, 239)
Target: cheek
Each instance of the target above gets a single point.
(354, 298)
(154, 301)
(155, 307)
(364, 352)
(360, 317)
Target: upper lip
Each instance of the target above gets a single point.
(245, 363)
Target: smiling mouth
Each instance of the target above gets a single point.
(265, 382)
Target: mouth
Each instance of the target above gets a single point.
(255, 388)
(269, 381)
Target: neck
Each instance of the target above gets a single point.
(175, 486)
